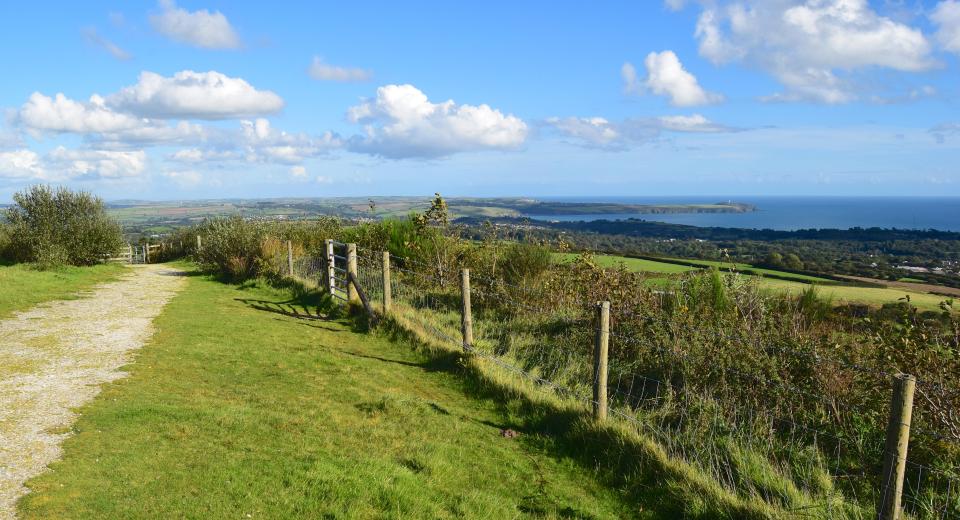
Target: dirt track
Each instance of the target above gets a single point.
(53, 359)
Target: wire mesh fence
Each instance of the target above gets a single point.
(780, 437)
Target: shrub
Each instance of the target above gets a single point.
(55, 227)
(5, 252)
(231, 247)
(524, 262)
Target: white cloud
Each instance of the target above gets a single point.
(597, 132)
(947, 18)
(100, 123)
(667, 77)
(695, 123)
(61, 114)
(102, 164)
(194, 95)
(94, 38)
(299, 172)
(198, 155)
(401, 122)
(322, 71)
(805, 45)
(20, 164)
(263, 143)
(199, 28)
(593, 131)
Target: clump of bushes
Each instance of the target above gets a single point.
(231, 247)
(54, 227)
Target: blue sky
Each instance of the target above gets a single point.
(162, 100)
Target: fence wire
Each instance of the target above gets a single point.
(810, 459)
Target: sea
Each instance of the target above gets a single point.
(792, 213)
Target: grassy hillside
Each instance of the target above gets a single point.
(22, 286)
(235, 408)
(874, 296)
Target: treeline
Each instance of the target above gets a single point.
(874, 252)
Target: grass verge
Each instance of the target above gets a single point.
(22, 286)
(247, 404)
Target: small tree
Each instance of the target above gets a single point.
(439, 243)
(55, 227)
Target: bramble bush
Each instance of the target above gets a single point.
(54, 227)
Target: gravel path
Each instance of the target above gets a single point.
(53, 359)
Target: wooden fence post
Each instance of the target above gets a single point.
(331, 273)
(466, 312)
(895, 452)
(387, 289)
(290, 258)
(601, 347)
(146, 253)
(352, 295)
(199, 244)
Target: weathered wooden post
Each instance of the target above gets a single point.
(466, 313)
(199, 244)
(146, 253)
(387, 289)
(352, 295)
(895, 452)
(601, 347)
(130, 253)
(331, 273)
(290, 258)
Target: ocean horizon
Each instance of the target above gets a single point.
(786, 213)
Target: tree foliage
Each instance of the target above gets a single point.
(57, 226)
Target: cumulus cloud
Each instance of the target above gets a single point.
(99, 123)
(97, 164)
(63, 164)
(667, 77)
(94, 38)
(597, 132)
(62, 114)
(947, 18)
(401, 122)
(810, 47)
(194, 95)
(319, 70)
(198, 28)
(21, 164)
(264, 143)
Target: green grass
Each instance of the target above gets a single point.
(873, 296)
(755, 270)
(22, 286)
(235, 409)
(634, 264)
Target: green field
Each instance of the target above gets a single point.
(236, 409)
(874, 296)
(22, 286)
(634, 264)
